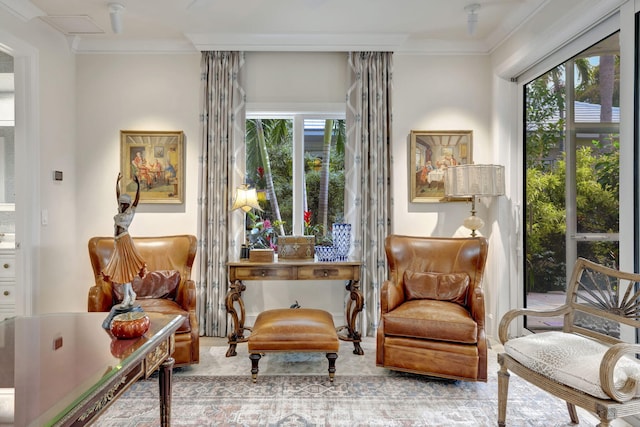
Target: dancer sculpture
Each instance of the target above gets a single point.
(125, 263)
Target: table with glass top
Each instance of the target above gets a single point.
(65, 369)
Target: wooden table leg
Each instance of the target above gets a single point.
(354, 307)
(233, 298)
(164, 381)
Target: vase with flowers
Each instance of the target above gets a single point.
(262, 238)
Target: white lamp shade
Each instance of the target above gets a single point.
(246, 199)
(474, 180)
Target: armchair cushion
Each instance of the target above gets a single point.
(570, 359)
(166, 306)
(433, 320)
(437, 286)
(155, 284)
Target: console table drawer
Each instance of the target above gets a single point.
(7, 266)
(263, 273)
(7, 293)
(327, 272)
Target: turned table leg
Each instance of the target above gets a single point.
(233, 299)
(164, 383)
(354, 307)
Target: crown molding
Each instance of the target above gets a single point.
(559, 34)
(100, 46)
(24, 10)
(297, 42)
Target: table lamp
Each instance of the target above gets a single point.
(473, 181)
(246, 199)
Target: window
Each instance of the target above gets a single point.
(572, 146)
(296, 164)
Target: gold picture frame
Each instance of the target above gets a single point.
(430, 153)
(157, 158)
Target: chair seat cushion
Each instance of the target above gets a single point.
(166, 306)
(570, 359)
(302, 329)
(433, 320)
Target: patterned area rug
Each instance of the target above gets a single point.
(377, 397)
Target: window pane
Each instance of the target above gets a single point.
(324, 172)
(269, 167)
(572, 125)
(270, 160)
(545, 183)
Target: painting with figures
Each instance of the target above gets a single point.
(157, 159)
(431, 153)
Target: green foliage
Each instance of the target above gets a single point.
(278, 138)
(597, 212)
(544, 101)
(597, 180)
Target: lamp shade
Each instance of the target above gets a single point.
(246, 199)
(474, 180)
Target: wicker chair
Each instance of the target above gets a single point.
(587, 364)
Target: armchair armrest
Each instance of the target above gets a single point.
(608, 366)
(99, 297)
(186, 295)
(510, 315)
(476, 305)
(391, 296)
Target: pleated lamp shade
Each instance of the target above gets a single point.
(474, 181)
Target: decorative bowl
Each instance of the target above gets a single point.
(130, 325)
(325, 253)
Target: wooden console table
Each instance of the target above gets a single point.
(293, 270)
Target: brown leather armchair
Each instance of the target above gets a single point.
(167, 287)
(432, 307)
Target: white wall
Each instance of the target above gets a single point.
(46, 142)
(437, 93)
(131, 92)
(448, 93)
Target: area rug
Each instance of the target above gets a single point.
(282, 396)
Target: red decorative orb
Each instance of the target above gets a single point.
(130, 325)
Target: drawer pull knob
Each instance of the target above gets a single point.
(326, 273)
(264, 273)
(6, 293)
(6, 265)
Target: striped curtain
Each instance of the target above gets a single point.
(222, 119)
(367, 194)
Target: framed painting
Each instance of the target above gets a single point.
(430, 154)
(157, 159)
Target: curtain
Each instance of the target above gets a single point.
(367, 184)
(222, 120)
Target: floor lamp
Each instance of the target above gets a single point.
(471, 181)
(246, 199)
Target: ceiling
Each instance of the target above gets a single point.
(303, 25)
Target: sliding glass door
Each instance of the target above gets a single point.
(572, 118)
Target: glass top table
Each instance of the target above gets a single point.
(65, 369)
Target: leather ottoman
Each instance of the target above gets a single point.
(293, 330)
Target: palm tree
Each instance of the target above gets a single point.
(323, 199)
(275, 130)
